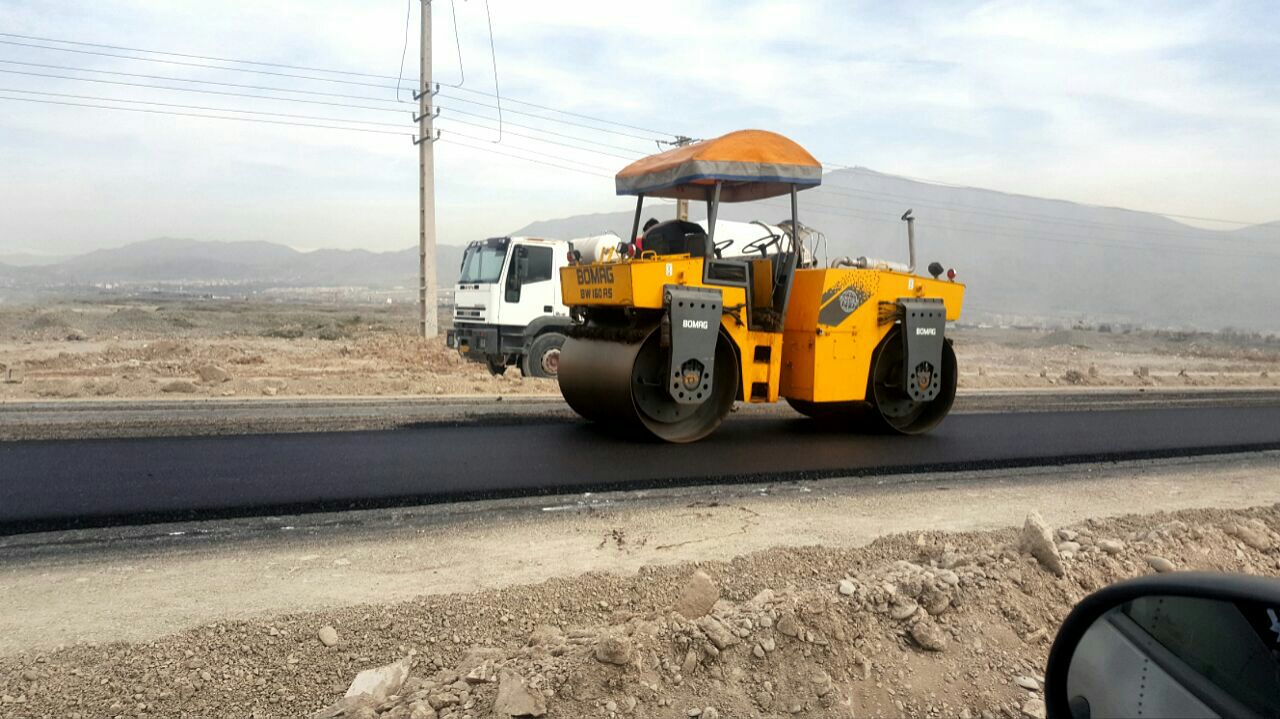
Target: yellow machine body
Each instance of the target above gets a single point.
(833, 325)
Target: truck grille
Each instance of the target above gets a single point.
(468, 313)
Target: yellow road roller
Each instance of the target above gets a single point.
(665, 341)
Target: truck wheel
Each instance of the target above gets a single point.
(543, 357)
(497, 364)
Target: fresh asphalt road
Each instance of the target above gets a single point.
(94, 482)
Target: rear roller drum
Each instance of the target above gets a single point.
(888, 408)
(625, 385)
(895, 411)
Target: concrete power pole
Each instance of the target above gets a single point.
(427, 295)
(682, 206)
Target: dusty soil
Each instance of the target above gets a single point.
(917, 623)
(233, 349)
(252, 349)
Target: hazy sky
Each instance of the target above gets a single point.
(1173, 107)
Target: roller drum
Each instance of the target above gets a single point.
(623, 385)
(595, 379)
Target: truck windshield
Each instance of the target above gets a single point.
(482, 262)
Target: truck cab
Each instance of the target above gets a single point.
(507, 304)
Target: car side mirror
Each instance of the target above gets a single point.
(1185, 644)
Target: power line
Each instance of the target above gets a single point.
(199, 65)
(199, 90)
(542, 117)
(446, 118)
(635, 153)
(559, 158)
(326, 103)
(198, 57)
(1023, 216)
(491, 150)
(493, 54)
(408, 10)
(204, 108)
(316, 93)
(199, 82)
(1051, 237)
(207, 117)
(457, 41)
(349, 73)
(315, 125)
(1013, 215)
(1083, 204)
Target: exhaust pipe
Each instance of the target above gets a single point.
(911, 241)
(873, 263)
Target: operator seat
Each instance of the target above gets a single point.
(677, 237)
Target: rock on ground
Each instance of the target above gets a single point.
(515, 699)
(327, 635)
(612, 649)
(698, 596)
(1037, 540)
(929, 636)
(213, 374)
(381, 682)
(1111, 546)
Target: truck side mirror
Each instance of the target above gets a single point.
(517, 273)
(1171, 645)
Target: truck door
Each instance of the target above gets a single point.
(529, 290)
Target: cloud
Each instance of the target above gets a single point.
(1098, 102)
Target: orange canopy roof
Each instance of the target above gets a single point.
(749, 164)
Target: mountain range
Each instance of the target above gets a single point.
(1025, 259)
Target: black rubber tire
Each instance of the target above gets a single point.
(497, 364)
(543, 358)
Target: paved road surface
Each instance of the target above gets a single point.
(58, 484)
(80, 419)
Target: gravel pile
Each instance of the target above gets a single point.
(929, 625)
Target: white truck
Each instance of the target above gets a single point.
(507, 304)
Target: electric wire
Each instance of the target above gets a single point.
(408, 11)
(205, 108)
(944, 183)
(445, 117)
(559, 158)
(270, 88)
(493, 54)
(200, 90)
(349, 73)
(448, 109)
(1021, 216)
(491, 150)
(1037, 236)
(406, 133)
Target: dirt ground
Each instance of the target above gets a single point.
(920, 623)
(255, 349)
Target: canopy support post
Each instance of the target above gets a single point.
(635, 225)
(793, 258)
(713, 208)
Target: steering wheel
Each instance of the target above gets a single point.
(762, 245)
(719, 247)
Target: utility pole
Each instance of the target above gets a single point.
(427, 295)
(682, 206)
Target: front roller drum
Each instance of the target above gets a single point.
(888, 407)
(623, 385)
